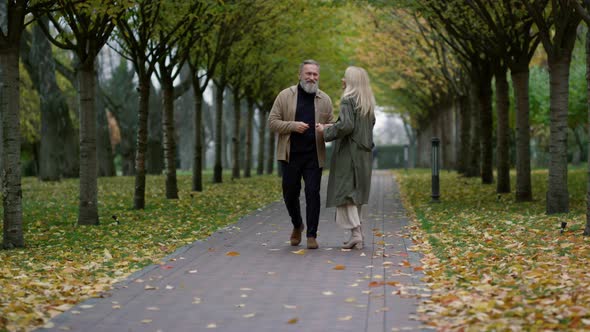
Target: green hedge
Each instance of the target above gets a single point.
(386, 156)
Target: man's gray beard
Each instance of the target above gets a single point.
(308, 87)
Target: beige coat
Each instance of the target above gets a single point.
(281, 120)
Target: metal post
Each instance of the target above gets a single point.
(406, 156)
(435, 170)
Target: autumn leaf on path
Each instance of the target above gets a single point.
(299, 252)
(233, 254)
(107, 255)
(376, 283)
(339, 267)
(293, 320)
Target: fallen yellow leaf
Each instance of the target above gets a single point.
(233, 254)
(339, 267)
(107, 255)
(375, 283)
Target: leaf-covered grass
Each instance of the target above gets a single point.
(493, 264)
(64, 263)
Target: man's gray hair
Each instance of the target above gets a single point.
(308, 62)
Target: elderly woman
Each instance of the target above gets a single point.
(349, 182)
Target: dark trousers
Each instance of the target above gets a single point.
(303, 165)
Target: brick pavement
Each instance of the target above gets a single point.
(268, 287)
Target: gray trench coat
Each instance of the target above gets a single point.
(352, 159)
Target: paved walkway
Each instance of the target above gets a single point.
(270, 285)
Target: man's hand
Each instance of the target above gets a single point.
(301, 127)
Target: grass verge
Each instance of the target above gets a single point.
(64, 263)
(493, 264)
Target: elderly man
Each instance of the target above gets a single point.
(301, 150)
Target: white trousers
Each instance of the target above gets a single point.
(348, 216)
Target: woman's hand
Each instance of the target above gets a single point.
(319, 127)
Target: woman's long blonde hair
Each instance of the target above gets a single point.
(358, 88)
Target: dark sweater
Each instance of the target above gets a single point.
(305, 112)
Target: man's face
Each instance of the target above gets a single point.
(310, 73)
(309, 77)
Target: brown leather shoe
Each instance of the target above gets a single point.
(296, 235)
(312, 243)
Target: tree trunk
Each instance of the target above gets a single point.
(486, 124)
(169, 135)
(270, 161)
(411, 134)
(557, 191)
(261, 140)
(154, 157)
(249, 123)
(3, 107)
(448, 132)
(88, 210)
(142, 135)
(104, 149)
(236, 135)
(58, 153)
(11, 176)
(217, 168)
(465, 152)
(473, 166)
(520, 78)
(502, 143)
(577, 158)
(198, 120)
(227, 132)
(587, 228)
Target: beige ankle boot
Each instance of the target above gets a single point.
(356, 239)
(352, 235)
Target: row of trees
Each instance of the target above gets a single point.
(460, 53)
(251, 47)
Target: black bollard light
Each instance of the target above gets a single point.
(435, 170)
(406, 156)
